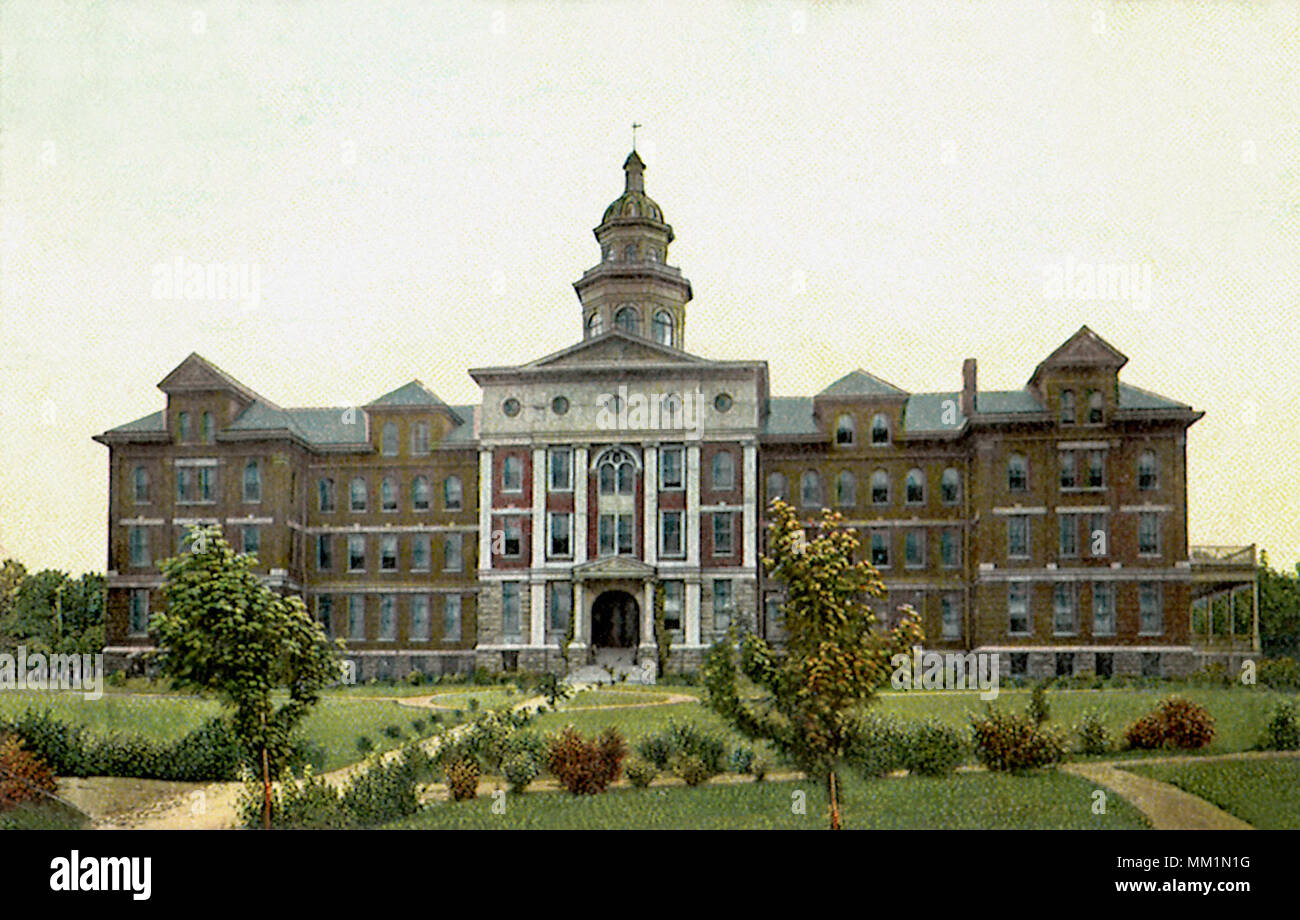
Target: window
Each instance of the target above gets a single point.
(723, 604)
(629, 252)
(1017, 473)
(560, 405)
(451, 618)
(1069, 542)
(670, 468)
(356, 552)
(723, 527)
(513, 542)
(1018, 608)
(252, 539)
(1069, 470)
(325, 495)
(510, 619)
(209, 429)
(615, 472)
(512, 474)
(452, 555)
(628, 320)
(560, 460)
(388, 439)
(1096, 469)
(1148, 472)
(777, 487)
(1064, 664)
(1148, 534)
(186, 430)
(1063, 618)
(594, 324)
(420, 494)
(1068, 414)
(140, 482)
(614, 534)
(388, 617)
(674, 591)
(252, 481)
(357, 617)
(663, 328)
(724, 471)
(879, 429)
(950, 606)
(845, 429)
(670, 411)
(1098, 535)
(880, 548)
(388, 494)
(880, 488)
(810, 489)
(772, 615)
(914, 548)
(1018, 536)
(1095, 403)
(324, 552)
(138, 612)
(138, 539)
(357, 494)
(950, 487)
(420, 553)
(1103, 611)
(325, 613)
(1105, 664)
(421, 626)
(561, 607)
(207, 483)
(1150, 664)
(1151, 619)
(561, 533)
(670, 533)
(846, 490)
(420, 438)
(950, 548)
(915, 487)
(451, 493)
(1019, 664)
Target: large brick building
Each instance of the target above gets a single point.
(1047, 523)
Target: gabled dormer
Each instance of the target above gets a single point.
(860, 410)
(410, 421)
(1079, 381)
(202, 400)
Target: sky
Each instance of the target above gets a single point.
(410, 187)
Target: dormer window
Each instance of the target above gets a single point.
(1095, 406)
(879, 429)
(420, 438)
(389, 442)
(1068, 411)
(844, 430)
(184, 429)
(209, 429)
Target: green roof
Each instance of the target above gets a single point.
(926, 411)
(860, 383)
(1000, 402)
(790, 415)
(1131, 397)
(150, 423)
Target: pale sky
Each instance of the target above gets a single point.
(884, 185)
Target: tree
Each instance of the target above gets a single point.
(224, 630)
(1279, 609)
(806, 699)
(49, 612)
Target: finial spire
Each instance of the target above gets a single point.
(635, 125)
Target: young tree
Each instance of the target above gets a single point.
(224, 630)
(1279, 609)
(806, 700)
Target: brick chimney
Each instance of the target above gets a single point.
(968, 387)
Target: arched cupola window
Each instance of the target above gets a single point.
(663, 328)
(628, 319)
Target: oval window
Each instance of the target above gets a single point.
(510, 407)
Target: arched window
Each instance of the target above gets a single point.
(389, 445)
(388, 494)
(593, 324)
(252, 481)
(183, 424)
(879, 429)
(724, 471)
(325, 494)
(844, 429)
(616, 472)
(420, 494)
(1017, 473)
(357, 494)
(810, 489)
(880, 488)
(209, 429)
(846, 489)
(663, 328)
(1095, 406)
(915, 487)
(777, 487)
(628, 319)
(1068, 412)
(451, 493)
(1069, 470)
(1148, 471)
(629, 252)
(670, 411)
(605, 251)
(140, 480)
(950, 487)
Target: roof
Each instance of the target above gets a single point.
(927, 411)
(790, 415)
(1131, 397)
(860, 383)
(150, 423)
(414, 395)
(1006, 402)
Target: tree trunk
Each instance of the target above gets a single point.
(835, 802)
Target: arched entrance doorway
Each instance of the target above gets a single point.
(615, 626)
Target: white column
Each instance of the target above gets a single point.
(537, 612)
(692, 613)
(539, 507)
(485, 509)
(651, 483)
(648, 615)
(579, 609)
(579, 505)
(749, 514)
(693, 504)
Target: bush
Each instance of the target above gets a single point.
(520, 769)
(690, 769)
(1039, 710)
(758, 769)
(415, 678)
(392, 731)
(1174, 723)
(933, 749)
(306, 802)
(462, 779)
(24, 777)
(384, 792)
(640, 772)
(880, 747)
(1094, 736)
(1279, 673)
(1014, 742)
(365, 745)
(585, 767)
(741, 760)
(1283, 730)
(657, 749)
(685, 738)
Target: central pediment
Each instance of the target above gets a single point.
(613, 567)
(616, 347)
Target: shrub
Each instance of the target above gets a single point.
(384, 792)
(462, 779)
(415, 678)
(741, 760)
(1014, 742)
(365, 745)
(690, 769)
(1039, 710)
(1094, 736)
(585, 767)
(520, 769)
(24, 777)
(656, 749)
(417, 726)
(393, 731)
(1279, 673)
(1176, 723)
(880, 746)
(306, 802)
(640, 772)
(1283, 730)
(685, 738)
(758, 769)
(933, 749)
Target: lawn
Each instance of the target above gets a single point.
(44, 816)
(1259, 792)
(966, 801)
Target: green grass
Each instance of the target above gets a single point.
(608, 697)
(45, 816)
(966, 801)
(1259, 792)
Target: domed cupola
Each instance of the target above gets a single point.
(633, 288)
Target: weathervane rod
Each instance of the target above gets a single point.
(635, 125)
